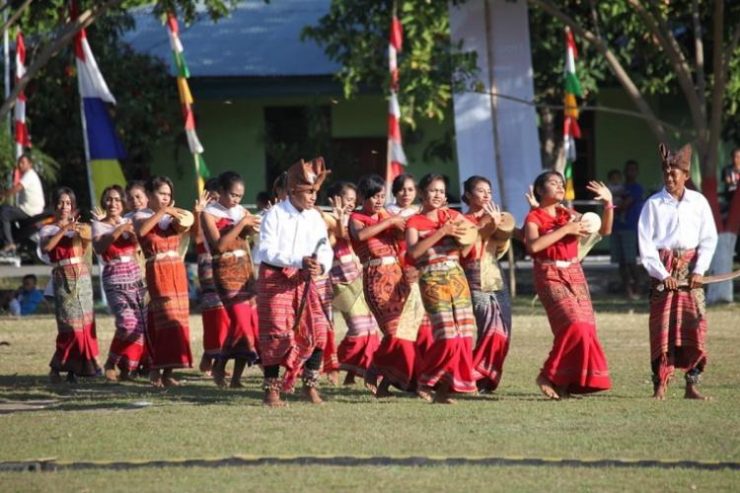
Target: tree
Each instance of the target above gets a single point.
(55, 29)
(693, 63)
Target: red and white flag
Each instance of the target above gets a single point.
(396, 157)
(22, 137)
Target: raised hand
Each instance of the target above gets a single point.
(600, 190)
(251, 221)
(98, 214)
(493, 211)
(531, 199)
(337, 204)
(202, 201)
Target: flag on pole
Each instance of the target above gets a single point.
(103, 148)
(571, 130)
(396, 157)
(186, 101)
(22, 137)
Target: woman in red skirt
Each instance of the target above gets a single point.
(159, 230)
(226, 225)
(491, 303)
(431, 237)
(576, 364)
(212, 312)
(114, 240)
(355, 352)
(374, 235)
(66, 242)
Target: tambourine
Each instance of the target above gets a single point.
(592, 222)
(185, 219)
(505, 228)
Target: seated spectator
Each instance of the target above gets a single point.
(30, 201)
(27, 299)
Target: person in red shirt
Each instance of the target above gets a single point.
(576, 363)
(431, 237)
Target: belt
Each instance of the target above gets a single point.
(375, 262)
(437, 266)
(560, 264)
(163, 255)
(233, 253)
(68, 261)
(344, 259)
(120, 260)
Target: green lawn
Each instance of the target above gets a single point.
(97, 421)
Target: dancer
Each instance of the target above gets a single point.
(356, 350)
(576, 363)
(226, 225)
(374, 233)
(404, 191)
(159, 230)
(294, 249)
(67, 241)
(213, 314)
(115, 242)
(136, 198)
(431, 237)
(677, 237)
(491, 303)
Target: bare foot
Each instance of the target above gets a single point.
(424, 393)
(384, 389)
(55, 377)
(168, 381)
(693, 393)
(372, 385)
(155, 378)
(272, 399)
(312, 395)
(110, 375)
(563, 392)
(349, 379)
(442, 396)
(333, 378)
(659, 391)
(205, 365)
(547, 388)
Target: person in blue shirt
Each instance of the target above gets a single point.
(27, 298)
(624, 236)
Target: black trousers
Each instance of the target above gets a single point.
(8, 215)
(313, 363)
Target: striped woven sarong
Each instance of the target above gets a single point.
(125, 290)
(236, 289)
(168, 329)
(213, 314)
(678, 324)
(492, 310)
(576, 360)
(279, 295)
(76, 344)
(446, 297)
(356, 350)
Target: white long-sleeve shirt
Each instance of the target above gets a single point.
(667, 223)
(287, 235)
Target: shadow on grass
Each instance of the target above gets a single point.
(77, 396)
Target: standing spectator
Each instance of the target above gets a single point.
(30, 201)
(624, 238)
(731, 176)
(28, 298)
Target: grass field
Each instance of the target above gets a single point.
(107, 422)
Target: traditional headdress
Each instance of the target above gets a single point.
(680, 159)
(307, 175)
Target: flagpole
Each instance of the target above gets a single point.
(6, 59)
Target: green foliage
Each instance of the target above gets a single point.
(355, 34)
(46, 166)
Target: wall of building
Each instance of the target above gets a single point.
(233, 135)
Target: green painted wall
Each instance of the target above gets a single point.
(233, 135)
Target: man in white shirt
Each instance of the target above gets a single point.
(30, 201)
(293, 250)
(677, 236)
